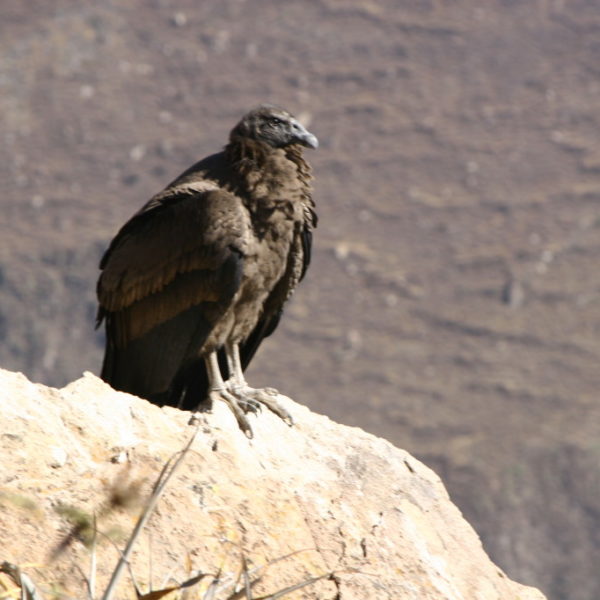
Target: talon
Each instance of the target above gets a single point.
(249, 404)
(264, 397)
(236, 409)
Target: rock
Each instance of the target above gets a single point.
(317, 498)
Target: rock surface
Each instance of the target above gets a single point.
(333, 498)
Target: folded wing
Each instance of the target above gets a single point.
(167, 278)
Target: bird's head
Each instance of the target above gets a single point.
(275, 127)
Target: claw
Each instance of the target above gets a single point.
(260, 397)
(248, 404)
(237, 408)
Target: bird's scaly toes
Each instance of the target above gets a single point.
(238, 408)
(266, 397)
(248, 404)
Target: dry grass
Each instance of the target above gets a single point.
(221, 585)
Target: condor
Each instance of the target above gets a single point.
(198, 277)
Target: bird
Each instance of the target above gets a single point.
(195, 280)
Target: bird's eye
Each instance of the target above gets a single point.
(275, 121)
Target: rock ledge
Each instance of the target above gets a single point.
(336, 497)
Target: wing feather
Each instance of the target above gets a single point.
(167, 277)
(196, 233)
(167, 259)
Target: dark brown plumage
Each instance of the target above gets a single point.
(196, 279)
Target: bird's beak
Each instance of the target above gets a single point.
(303, 136)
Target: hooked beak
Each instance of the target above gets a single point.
(303, 136)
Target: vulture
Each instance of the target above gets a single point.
(198, 277)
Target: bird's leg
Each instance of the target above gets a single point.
(238, 386)
(236, 379)
(218, 391)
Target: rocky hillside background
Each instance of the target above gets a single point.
(453, 305)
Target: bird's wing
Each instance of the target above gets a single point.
(167, 278)
(172, 256)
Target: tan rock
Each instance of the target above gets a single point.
(334, 498)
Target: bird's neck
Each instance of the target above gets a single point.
(259, 166)
(247, 152)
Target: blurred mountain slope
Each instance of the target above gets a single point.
(453, 304)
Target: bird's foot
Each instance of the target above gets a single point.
(239, 407)
(259, 397)
(243, 399)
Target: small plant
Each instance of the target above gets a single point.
(23, 588)
(221, 585)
